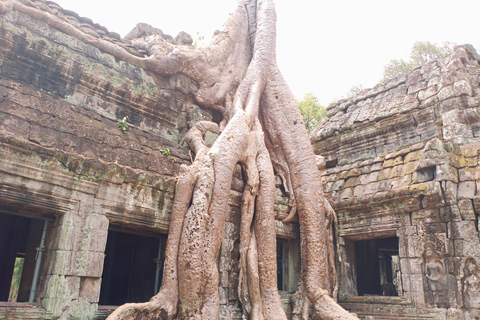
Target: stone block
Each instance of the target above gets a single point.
(472, 162)
(371, 188)
(466, 209)
(476, 204)
(418, 188)
(359, 191)
(406, 284)
(223, 295)
(384, 185)
(63, 287)
(470, 150)
(90, 289)
(355, 172)
(410, 230)
(416, 281)
(453, 213)
(462, 87)
(409, 168)
(223, 277)
(426, 216)
(464, 230)
(446, 93)
(54, 306)
(63, 238)
(366, 169)
(450, 190)
(429, 92)
(394, 184)
(419, 297)
(384, 174)
(62, 262)
(446, 172)
(396, 172)
(466, 190)
(99, 222)
(327, 186)
(468, 173)
(87, 263)
(98, 241)
(435, 227)
(405, 181)
(376, 167)
(416, 266)
(411, 266)
(403, 249)
(413, 79)
(338, 185)
(413, 156)
(466, 248)
(420, 86)
(347, 193)
(368, 178)
(351, 182)
(233, 294)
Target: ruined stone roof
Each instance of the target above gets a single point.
(388, 108)
(96, 30)
(85, 24)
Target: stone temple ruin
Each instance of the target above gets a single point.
(79, 196)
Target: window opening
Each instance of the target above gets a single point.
(22, 240)
(377, 266)
(280, 265)
(133, 268)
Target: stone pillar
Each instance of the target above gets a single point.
(75, 257)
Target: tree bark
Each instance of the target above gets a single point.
(261, 129)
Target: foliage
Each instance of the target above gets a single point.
(199, 40)
(421, 53)
(17, 275)
(165, 151)
(312, 111)
(123, 124)
(354, 90)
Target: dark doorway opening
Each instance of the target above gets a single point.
(288, 264)
(377, 266)
(133, 268)
(19, 246)
(281, 265)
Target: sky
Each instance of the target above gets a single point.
(323, 47)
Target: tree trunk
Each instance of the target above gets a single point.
(261, 129)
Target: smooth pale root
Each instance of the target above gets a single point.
(263, 130)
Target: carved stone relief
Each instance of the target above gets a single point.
(470, 283)
(435, 272)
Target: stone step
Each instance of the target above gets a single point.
(388, 308)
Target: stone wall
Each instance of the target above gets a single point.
(63, 158)
(403, 160)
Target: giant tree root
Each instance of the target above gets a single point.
(261, 129)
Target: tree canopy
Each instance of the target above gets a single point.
(312, 111)
(421, 53)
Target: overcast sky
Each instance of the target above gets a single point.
(324, 47)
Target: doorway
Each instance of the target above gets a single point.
(133, 268)
(377, 266)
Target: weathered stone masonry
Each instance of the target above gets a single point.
(403, 160)
(403, 174)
